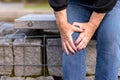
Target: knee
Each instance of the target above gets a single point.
(108, 44)
(108, 38)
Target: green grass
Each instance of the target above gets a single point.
(37, 6)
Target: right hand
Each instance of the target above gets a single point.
(66, 31)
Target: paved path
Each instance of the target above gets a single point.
(11, 6)
(11, 11)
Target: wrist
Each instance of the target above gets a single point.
(61, 17)
(61, 23)
(93, 24)
(96, 18)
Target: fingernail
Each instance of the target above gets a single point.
(73, 52)
(79, 48)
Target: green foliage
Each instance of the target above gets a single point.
(10, 0)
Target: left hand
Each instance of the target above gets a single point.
(84, 37)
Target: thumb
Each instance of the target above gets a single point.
(77, 29)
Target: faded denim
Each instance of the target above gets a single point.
(108, 45)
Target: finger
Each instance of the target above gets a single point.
(63, 44)
(83, 42)
(83, 45)
(77, 29)
(71, 43)
(79, 47)
(80, 37)
(79, 25)
(76, 24)
(69, 47)
(65, 48)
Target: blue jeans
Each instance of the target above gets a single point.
(108, 45)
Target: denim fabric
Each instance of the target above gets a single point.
(108, 45)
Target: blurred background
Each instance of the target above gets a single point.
(12, 9)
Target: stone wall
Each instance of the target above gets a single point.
(23, 58)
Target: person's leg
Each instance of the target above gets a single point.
(74, 67)
(108, 46)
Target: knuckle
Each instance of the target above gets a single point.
(80, 37)
(84, 42)
(78, 46)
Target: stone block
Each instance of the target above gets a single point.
(91, 57)
(30, 79)
(45, 78)
(90, 78)
(12, 78)
(54, 55)
(6, 57)
(27, 53)
(41, 78)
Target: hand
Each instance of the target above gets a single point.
(66, 31)
(84, 37)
